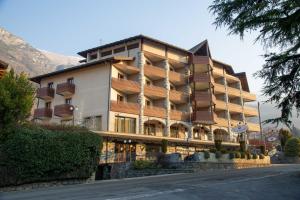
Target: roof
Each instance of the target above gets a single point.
(227, 67)
(201, 48)
(84, 53)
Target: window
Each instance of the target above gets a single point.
(133, 46)
(149, 129)
(50, 85)
(118, 50)
(48, 104)
(125, 124)
(93, 56)
(120, 76)
(93, 123)
(120, 98)
(148, 82)
(68, 101)
(70, 80)
(174, 132)
(172, 87)
(106, 53)
(148, 103)
(173, 107)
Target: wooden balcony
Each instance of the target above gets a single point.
(178, 96)
(127, 69)
(233, 92)
(203, 98)
(250, 111)
(204, 117)
(222, 122)
(65, 89)
(235, 108)
(200, 77)
(125, 107)
(153, 111)
(125, 86)
(42, 113)
(253, 127)
(218, 72)
(154, 73)
(155, 92)
(219, 89)
(231, 78)
(177, 78)
(63, 110)
(221, 105)
(45, 93)
(179, 115)
(247, 96)
(202, 60)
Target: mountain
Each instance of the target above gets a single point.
(23, 57)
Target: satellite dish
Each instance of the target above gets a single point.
(240, 128)
(272, 139)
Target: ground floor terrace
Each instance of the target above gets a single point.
(126, 147)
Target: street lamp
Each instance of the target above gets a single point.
(73, 108)
(129, 143)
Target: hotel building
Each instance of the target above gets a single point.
(138, 91)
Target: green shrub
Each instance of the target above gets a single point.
(237, 154)
(164, 146)
(292, 147)
(36, 154)
(224, 151)
(243, 155)
(143, 164)
(263, 149)
(284, 136)
(261, 156)
(218, 145)
(218, 154)
(254, 156)
(248, 155)
(206, 155)
(212, 150)
(231, 155)
(242, 146)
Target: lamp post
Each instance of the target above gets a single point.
(73, 109)
(129, 143)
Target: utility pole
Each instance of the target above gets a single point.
(261, 134)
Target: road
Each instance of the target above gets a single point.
(276, 182)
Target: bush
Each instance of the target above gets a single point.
(263, 149)
(292, 147)
(218, 144)
(218, 154)
(164, 146)
(254, 156)
(224, 151)
(242, 146)
(284, 136)
(206, 155)
(237, 154)
(231, 155)
(248, 155)
(143, 164)
(243, 155)
(212, 150)
(36, 154)
(261, 156)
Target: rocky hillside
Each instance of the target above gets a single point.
(24, 58)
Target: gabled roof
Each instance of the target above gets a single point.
(201, 49)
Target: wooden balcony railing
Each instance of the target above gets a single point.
(154, 72)
(204, 117)
(247, 96)
(125, 86)
(219, 88)
(200, 77)
(153, 111)
(178, 96)
(42, 113)
(63, 110)
(155, 92)
(45, 93)
(218, 71)
(127, 69)
(202, 60)
(231, 78)
(221, 105)
(177, 78)
(179, 115)
(125, 107)
(235, 108)
(222, 122)
(203, 98)
(233, 92)
(253, 127)
(65, 89)
(250, 112)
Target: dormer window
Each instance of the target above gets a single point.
(70, 80)
(93, 56)
(120, 76)
(148, 82)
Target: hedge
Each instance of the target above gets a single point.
(34, 154)
(292, 147)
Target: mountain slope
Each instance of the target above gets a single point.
(22, 57)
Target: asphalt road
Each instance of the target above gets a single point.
(276, 182)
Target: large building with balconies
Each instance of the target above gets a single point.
(138, 91)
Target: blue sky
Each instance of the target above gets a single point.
(69, 26)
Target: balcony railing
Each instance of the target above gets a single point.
(63, 110)
(218, 71)
(221, 105)
(219, 88)
(65, 89)
(153, 111)
(235, 108)
(179, 115)
(247, 96)
(200, 77)
(222, 122)
(253, 127)
(250, 112)
(204, 60)
(204, 117)
(125, 86)
(233, 92)
(203, 98)
(127, 69)
(42, 113)
(178, 96)
(154, 72)
(155, 92)
(231, 78)
(45, 93)
(125, 107)
(177, 78)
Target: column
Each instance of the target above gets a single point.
(167, 101)
(141, 99)
(226, 100)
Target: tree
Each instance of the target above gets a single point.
(284, 135)
(164, 145)
(278, 24)
(219, 135)
(292, 147)
(16, 99)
